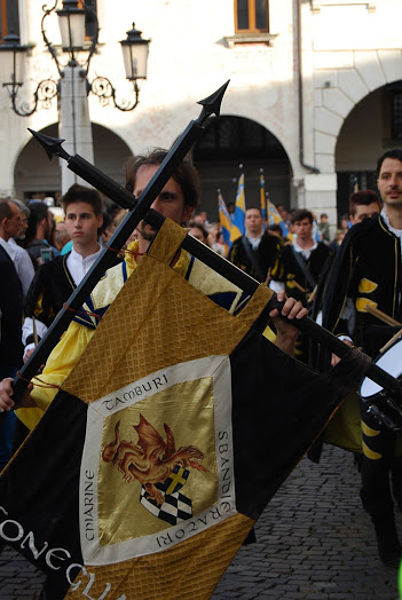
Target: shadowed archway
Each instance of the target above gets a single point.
(230, 141)
(34, 173)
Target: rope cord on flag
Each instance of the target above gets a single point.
(43, 384)
(134, 253)
(81, 311)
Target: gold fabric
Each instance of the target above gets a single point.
(120, 516)
(189, 571)
(127, 340)
(156, 322)
(66, 355)
(344, 429)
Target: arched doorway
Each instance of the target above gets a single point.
(35, 174)
(230, 141)
(372, 127)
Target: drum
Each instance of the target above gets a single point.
(378, 400)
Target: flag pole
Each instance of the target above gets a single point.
(237, 229)
(224, 222)
(210, 106)
(263, 199)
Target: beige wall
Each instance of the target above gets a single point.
(190, 57)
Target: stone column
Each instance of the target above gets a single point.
(321, 196)
(74, 125)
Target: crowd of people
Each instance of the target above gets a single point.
(43, 258)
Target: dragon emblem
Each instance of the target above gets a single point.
(151, 459)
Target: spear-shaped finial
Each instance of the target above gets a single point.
(51, 145)
(212, 104)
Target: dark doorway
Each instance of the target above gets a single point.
(230, 141)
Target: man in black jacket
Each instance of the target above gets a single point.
(300, 267)
(256, 251)
(367, 272)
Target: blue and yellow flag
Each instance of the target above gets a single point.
(263, 200)
(275, 217)
(225, 222)
(240, 212)
(273, 214)
(316, 232)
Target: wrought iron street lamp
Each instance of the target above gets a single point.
(72, 30)
(72, 27)
(135, 56)
(12, 72)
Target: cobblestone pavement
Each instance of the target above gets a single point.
(314, 543)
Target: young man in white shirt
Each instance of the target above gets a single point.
(56, 280)
(301, 267)
(298, 276)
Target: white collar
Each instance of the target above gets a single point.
(304, 250)
(84, 260)
(397, 232)
(79, 266)
(254, 241)
(8, 248)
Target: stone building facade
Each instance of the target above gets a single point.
(314, 97)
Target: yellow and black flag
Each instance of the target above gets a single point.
(165, 443)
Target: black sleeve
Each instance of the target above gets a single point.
(34, 300)
(268, 251)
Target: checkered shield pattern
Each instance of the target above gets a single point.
(175, 508)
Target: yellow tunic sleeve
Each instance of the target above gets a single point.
(60, 363)
(68, 351)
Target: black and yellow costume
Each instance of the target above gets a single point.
(52, 285)
(50, 288)
(288, 271)
(263, 258)
(367, 269)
